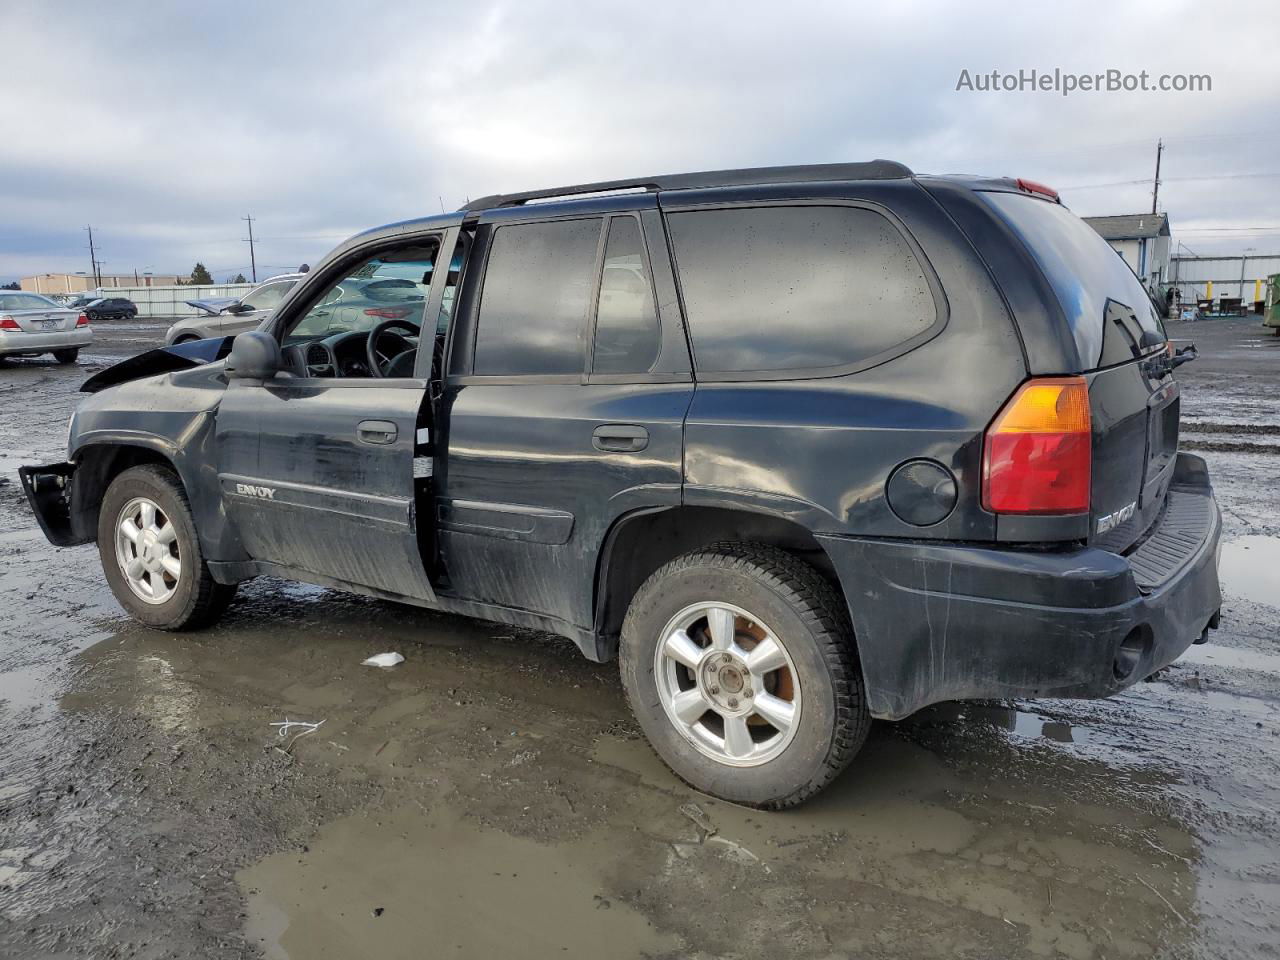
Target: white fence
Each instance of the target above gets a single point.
(1193, 276)
(171, 301)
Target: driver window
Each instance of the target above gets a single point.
(389, 287)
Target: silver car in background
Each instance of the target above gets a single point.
(31, 324)
(227, 316)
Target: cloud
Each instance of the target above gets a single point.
(164, 125)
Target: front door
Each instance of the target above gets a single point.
(323, 472)
(565, 403)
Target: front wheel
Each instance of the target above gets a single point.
(67, 356)
(151, 555)
(740, 665)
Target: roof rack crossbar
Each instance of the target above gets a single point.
(871, 170)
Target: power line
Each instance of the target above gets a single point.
(1218, 176)
(253, 263)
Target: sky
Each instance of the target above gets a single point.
(162, 125)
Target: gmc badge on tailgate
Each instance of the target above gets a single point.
(1113, 520)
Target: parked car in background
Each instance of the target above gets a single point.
(31, 325)
(111, 308)
(79, 301)
(226, 316)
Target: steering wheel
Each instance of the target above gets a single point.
(379, 361)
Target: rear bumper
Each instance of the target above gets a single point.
(36, 343)
(944, 621)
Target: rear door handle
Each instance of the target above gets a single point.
(377, 431)
(620, 437)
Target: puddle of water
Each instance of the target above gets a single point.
(1211, 654)
(1021, 724)
(1250, 569)
(414, 884)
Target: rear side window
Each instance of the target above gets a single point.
(627, 336)
(537, 288)
(1102, 298)
(796, 287)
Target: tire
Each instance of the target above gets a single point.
(189, 338)
(192, 599)
(771, 595)
(70, 355)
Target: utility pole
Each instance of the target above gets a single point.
(93, 261)
(1155, 193)
(253, 263)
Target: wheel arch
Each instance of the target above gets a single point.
(640, 542)
(103, 458)
(97, 465)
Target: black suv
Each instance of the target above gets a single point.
(800, 446)
(111, 308)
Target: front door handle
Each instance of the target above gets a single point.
(620, 437)
(377, 431)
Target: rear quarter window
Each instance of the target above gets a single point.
(1104, 303)
(797, 288)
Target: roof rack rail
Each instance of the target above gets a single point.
(870, 170)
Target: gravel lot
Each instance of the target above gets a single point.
(491, 796)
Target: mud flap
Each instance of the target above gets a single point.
(48, 490)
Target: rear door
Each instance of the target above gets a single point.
(565, 402)
(1121, 349)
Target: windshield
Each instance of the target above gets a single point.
(1094, 285)
(26, 301)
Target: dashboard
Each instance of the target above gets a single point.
(340, 355)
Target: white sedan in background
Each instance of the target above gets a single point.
(31, 325)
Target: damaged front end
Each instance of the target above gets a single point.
(180, 356)
(48, 490)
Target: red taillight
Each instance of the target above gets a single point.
(82, 320)
(8, 323)
(389, 313)
(1038, 452)
(1032, 187)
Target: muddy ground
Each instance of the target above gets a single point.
(491, 796)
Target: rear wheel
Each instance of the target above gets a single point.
(67, 356)
(739, 663)
(151, 555)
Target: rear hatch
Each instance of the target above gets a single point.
(1123, 355)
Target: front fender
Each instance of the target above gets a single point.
(170, 418)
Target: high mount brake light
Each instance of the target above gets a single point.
(1032, 187)
(1037, 455)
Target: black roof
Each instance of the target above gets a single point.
(870, 170)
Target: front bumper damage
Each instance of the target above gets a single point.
(48, 490)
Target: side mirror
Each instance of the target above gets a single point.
(1184, 355)
(254, 356)
(241, 308)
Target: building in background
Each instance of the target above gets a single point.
(50, 283)
(1143, 240)
(1213, 278)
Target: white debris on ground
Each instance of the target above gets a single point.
(383, 660)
